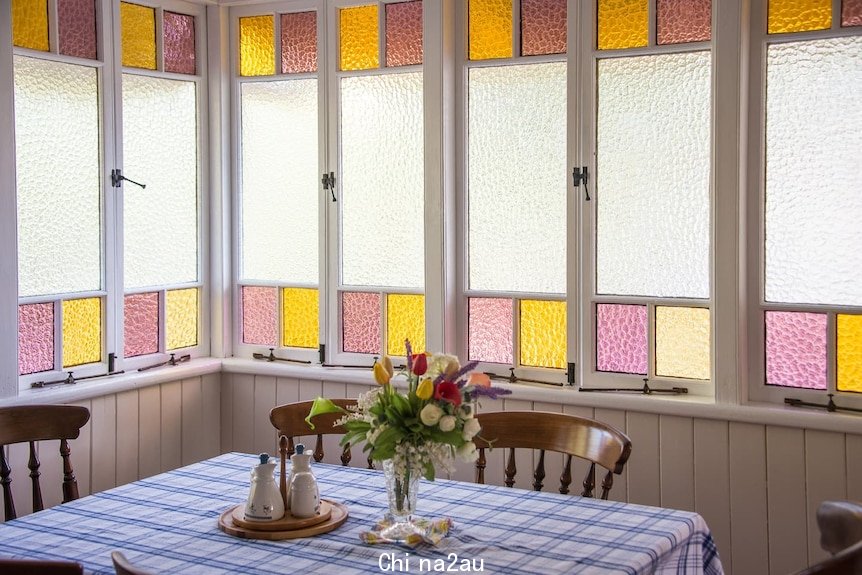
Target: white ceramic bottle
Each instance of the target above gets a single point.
(264, 499)
(304, 493)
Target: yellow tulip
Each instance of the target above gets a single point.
(425, 389)
(387, 365)
(381, 376)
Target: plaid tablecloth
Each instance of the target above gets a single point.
(168, 523)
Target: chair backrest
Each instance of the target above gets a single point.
(123, 567)
(289, 420)
(32, 423)
(34, 567)
(840, 524)
(847, 562)
(573, 436)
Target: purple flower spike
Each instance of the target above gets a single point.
(409, 355)
(491, 392)
(465, 369)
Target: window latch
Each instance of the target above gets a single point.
(273, 357)
(580, 175)
(512, 378)
(645, 390)
(174, 360)
(117, 177)
(830, 406)
(328, 181)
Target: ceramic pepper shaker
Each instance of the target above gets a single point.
(304, 493)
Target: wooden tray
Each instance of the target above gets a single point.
(286, 523)
(338, 515)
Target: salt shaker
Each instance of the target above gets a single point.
(304, 493)
(264, 499)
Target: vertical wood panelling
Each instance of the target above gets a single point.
(172, 425)
(264, 401)
(150, 431)
(17, 455)
(226, 421)
(286, 390)
(825, 479)
(127, 437)
(785, 472)
(80, 450)
(748, 534)
(712, 483)
(854, 467)
(676, 457)
(243, 413)
(210, 415)
(617, 419)
(52, 472)
(103, 417)
(644, 470)
(192, 421)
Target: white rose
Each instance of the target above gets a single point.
(471, 428)
(447, 423)
(467, 452)
(430, 414)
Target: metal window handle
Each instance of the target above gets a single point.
(117, 177)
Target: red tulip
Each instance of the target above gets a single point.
(420, 364)
(448, 391)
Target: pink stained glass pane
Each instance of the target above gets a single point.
(621, 338)
(77, 28)
(180, 43)
(680, 21)
(260, 315)
(299, 42)
(796, 349)
(35, 337)
(360, 322)
(851, 13)
(141, 323)
(491, 330)
(543, 27)
(404, 33)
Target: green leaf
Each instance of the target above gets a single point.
(429, 471)
(320, 406)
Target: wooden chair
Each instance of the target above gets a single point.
(573, 436)
(840, 524)
(32, 423)
(123, 567)
(33, 567)
(289, 420)
(847, 562)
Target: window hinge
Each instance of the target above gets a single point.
(580, 175)
(117, 178)
(645, 390)
(328, 181)
(830, 406)
(273, 357)
(570, 374)
(322, 351)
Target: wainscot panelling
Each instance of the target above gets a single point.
(787, 522)
(749, 536)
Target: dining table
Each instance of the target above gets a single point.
(167, 523)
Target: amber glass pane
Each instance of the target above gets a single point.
(299, 320)
(182, 318)
(543, 27)
(490, 29)
(543, 333)
(257, 46)
(30, 24)
(405, 320)
(623, 24)
(77, 28)
(682, 342)
(82, 331)
(799, 15)
(138, 25)
(358, 38)
(299, 42)
(849, 352)
(679, 21)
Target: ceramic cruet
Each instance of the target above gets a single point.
(304, 493)
(264, 499)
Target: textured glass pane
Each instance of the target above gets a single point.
(621, 338)
(405, 319)
(57, 173)
(799, 15)
(490, 29)
(543, 333)
(681, 21)
(259, 315)
(543, 27)
(299, 42)
(517, 178)
(30, 24)
(360, 322)
(491, 329)
(850, 352)
(256, 46)
(280, 181)
(160, 150)
(404, 33)
(77, 28)
(652, 186)
(82, 331)
(813, 114)
(138, 24)
(796, 349)
(182, 318)
(300, 316)
(141, 321)
(359, 38)
(179, 43)
(382, 181)
(623, 24)
(682, 342)
(35, 337)
(851, 13)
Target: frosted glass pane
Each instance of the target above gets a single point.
(490, 29)
(141, 324)
(299, 317)
(57, 172)
(491, 330)
(652, 187)
(680, 21)
(360, 320)
(82, 331)
(796, 349)
(682, 336)
(382, 181)
(160, 150)
(543, 333)
(849, 353)
(517, 178)
(77, 28)
(259, 315)
(181, 323)
(299, 42)
(405, 317)
(621, 338)
(404, 33)
(814, 228)
(280, 181)
(35, 337)
(543, 27)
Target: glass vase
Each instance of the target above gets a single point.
(402, 487)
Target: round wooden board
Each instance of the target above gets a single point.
(286, 523)
(337, 517)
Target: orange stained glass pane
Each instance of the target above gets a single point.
(359, 38)
(623, 24)
(490, 29)
(799, 15)
(299, 317)
(181, 327)
(30, 24)
(543, 333)
(138, 27)
(682, 342)
(82, 331)
(850, 353)
(405, 319)
(257, 46)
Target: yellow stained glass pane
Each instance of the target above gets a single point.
(359, 38)
(799, 15)
(543, 333)
(405, 319)
(623, 24)
(849, 352)
(299, 317)
(181, 318)
(30, 24)
(82, 331)
(257, 46)
(490, 29)
(682, 342)
(138, 26)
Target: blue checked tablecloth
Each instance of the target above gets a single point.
(168, 523)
